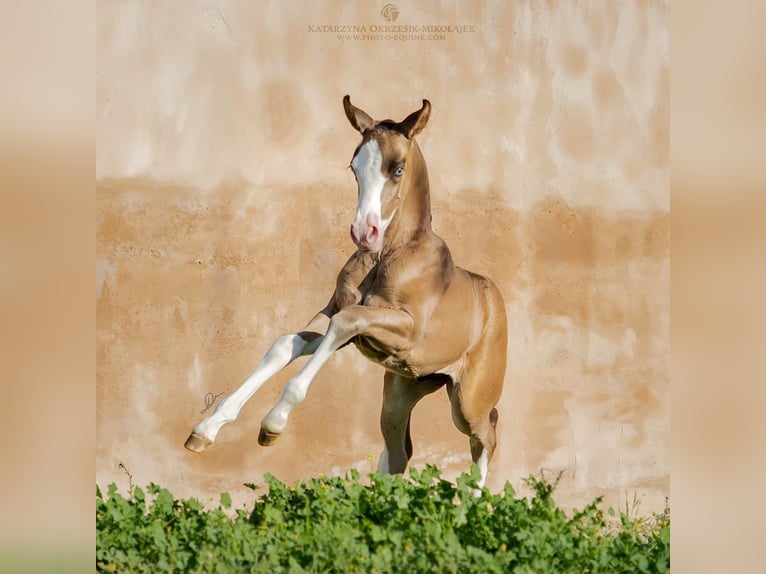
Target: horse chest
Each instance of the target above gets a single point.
(372, 350)
(365, 281)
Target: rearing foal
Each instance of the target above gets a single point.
(404, 304)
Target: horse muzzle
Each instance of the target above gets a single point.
(367, 234)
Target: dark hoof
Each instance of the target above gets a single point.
(197, 443)
(266, 438)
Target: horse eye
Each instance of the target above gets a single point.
(399, 171)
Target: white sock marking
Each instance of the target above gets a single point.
(296, 388)
(284, 350)
(483, 464)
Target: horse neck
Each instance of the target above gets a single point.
(413, 218)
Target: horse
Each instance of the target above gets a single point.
(405, 305)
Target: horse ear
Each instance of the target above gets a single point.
(413, 124)
(358, 118)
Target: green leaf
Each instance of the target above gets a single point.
(225, 500)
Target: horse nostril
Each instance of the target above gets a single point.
(372, 234)
(354, 238)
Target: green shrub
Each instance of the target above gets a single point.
(392, 524)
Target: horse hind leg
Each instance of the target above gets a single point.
(480, 383)
(473, 399)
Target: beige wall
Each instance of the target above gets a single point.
(223, 206)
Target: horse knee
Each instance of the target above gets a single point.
(285, 348)
(345, 324)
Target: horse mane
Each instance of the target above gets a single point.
(390, 125)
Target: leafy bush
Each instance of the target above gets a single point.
(392, 524)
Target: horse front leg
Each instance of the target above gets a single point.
(283, 352)
(392, 328)
(400, 395)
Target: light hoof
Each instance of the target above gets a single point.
(267, 438)
(197, 443)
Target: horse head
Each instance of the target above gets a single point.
(382, 163)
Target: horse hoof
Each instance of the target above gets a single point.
(197, 443)
(266, 438)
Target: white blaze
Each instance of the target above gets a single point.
(366, 165)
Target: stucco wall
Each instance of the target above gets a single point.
(223, 206)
